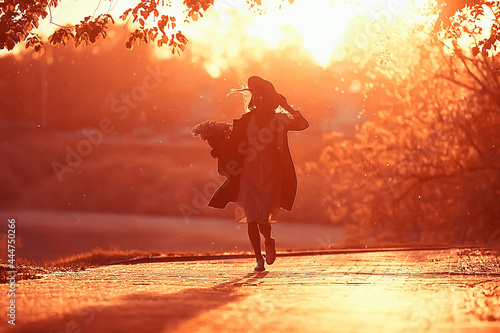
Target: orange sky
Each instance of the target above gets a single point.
(227, 31)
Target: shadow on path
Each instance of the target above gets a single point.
(147, 312)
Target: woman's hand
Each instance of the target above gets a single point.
(284, 104)
(282, 101)
(299, 122)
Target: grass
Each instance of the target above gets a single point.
(479, 261)
(98, 257)
(26, 269)
(482, 298)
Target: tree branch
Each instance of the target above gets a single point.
(456, 82)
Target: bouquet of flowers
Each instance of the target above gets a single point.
(214, 132)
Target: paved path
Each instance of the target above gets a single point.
(395, 291)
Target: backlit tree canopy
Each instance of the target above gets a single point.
(425, 165)
(19, 20)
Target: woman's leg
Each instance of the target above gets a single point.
(265, 230)
(253, 234)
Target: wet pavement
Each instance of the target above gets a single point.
(387, 291)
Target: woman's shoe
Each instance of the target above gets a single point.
(270, 251)
(260, 266)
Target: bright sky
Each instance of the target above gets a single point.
(318, 26)
(226, 34)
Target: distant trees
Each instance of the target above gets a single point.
(425, 167)
(425, 163)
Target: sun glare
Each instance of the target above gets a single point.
(321, 27)
(317, 28)
(229, 33)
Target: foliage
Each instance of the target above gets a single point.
(99, 257)
(449, 8)
(482, 298)
(25, 270)
(20, 18)
(465, 24)
(424, 167)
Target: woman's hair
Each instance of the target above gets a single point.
(248, 98)
(246, 94)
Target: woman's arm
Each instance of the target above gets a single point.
(298, 123)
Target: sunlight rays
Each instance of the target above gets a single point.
(231, 35)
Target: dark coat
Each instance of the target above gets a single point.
(231, 157)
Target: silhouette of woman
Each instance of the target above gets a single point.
(258, 165)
